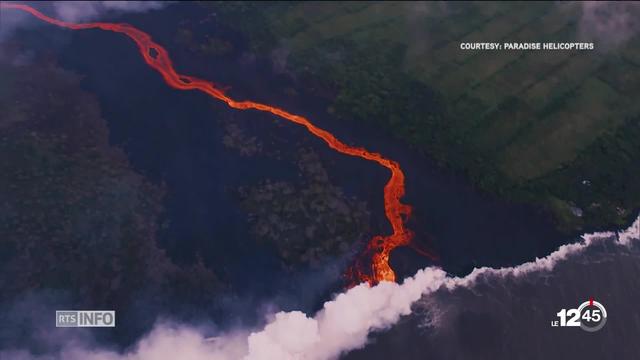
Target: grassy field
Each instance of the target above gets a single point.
(511, 120)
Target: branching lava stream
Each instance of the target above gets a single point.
(380, 247)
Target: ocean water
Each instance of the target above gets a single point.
(509, 316)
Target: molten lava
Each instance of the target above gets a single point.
(380, 247)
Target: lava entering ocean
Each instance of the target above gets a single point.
(380, 247)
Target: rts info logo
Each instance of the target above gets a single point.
(82, 318)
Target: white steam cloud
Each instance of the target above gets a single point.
(88, 10)
(342, 325)
(611, 23)
(74, 11)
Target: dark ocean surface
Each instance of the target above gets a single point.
(510, 317)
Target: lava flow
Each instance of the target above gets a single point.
(157, 57)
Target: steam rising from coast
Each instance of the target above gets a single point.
(343, 324)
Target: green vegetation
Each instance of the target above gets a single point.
(602, 180)
(529, 126)
(210, 46)
(75, 218)
(307, 222)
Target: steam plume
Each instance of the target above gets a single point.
(342, 325)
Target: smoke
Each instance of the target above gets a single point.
(417, 34)
(611, 23)
(343, 324)
(166, 342)
(74, 11)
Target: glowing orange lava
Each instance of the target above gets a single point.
(157, 57)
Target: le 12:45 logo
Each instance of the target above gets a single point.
(589, 316)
